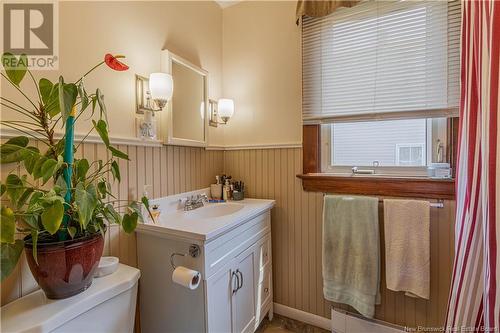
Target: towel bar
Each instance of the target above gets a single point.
(438, 204)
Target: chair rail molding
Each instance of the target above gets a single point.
(7, 133)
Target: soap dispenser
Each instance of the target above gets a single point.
(226, 191)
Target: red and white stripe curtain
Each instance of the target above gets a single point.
(474, 301)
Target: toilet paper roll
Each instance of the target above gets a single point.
(186, 277)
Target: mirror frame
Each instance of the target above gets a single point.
(167, 58)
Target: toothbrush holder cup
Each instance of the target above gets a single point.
(238, 195)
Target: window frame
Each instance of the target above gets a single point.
(314, 180)
(395, 185)
(397, 170)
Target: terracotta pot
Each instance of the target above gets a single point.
(65, 268)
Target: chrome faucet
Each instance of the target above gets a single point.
(195, 201)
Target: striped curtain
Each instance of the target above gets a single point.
(474, 300)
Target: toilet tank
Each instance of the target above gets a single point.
(107, 306)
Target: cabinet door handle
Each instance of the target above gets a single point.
(237, 281)
(241, 275)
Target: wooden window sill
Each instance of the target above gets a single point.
(412, 187)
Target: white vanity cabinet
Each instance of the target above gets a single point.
(231, 296)
(236, 267)
(239, 295)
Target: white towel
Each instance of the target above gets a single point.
(407, 246)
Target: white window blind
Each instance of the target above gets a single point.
(382, 60)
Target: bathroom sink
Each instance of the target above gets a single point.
(216, 210)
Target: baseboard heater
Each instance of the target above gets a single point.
(348, 322)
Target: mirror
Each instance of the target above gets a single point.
(187, 110)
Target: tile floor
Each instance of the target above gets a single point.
(281, 324)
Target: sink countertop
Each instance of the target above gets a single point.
(193, 225)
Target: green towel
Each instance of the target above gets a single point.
(351, 252)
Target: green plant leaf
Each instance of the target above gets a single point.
(135, 207)
(31, 220)
(115, 170)
(34, 239)
(84, 98)
(21, 141)
(53, 216)
(102, 130)
(7, 225)
(45, 89)
(14, 67)
(145, 202)
(61, 183)
(51, 105)
(102, 106)
(117, 153)
(9, 256)
(12, 150)
(37, 168)
(35, 198)
(3, 188)
(101, 228)
(86, 201)
(67, 97)
(72, 232)
(111, 214)
(24, 197)
(102, 188)
(15, 187)
(93, 100)
(81, 168)
(129, 222)
(48, 169)
(32, 154)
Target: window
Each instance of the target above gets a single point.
(381, 77)
(385, 145)
(410, 154)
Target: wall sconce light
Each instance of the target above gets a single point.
(152, 95)
(161, 87)
(223, 109)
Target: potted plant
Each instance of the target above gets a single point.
(59, 203)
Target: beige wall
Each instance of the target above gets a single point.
(139, 30)
(262, 73)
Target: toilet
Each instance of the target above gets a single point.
(107, 306)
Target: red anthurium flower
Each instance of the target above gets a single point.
(114, 63)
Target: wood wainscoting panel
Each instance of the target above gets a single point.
(296, 225)
(168, 169)
(297, 237)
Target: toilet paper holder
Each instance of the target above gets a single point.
(194, 251)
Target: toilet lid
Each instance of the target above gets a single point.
(36, 313)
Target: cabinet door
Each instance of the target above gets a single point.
(244, 297)
(220, 300)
